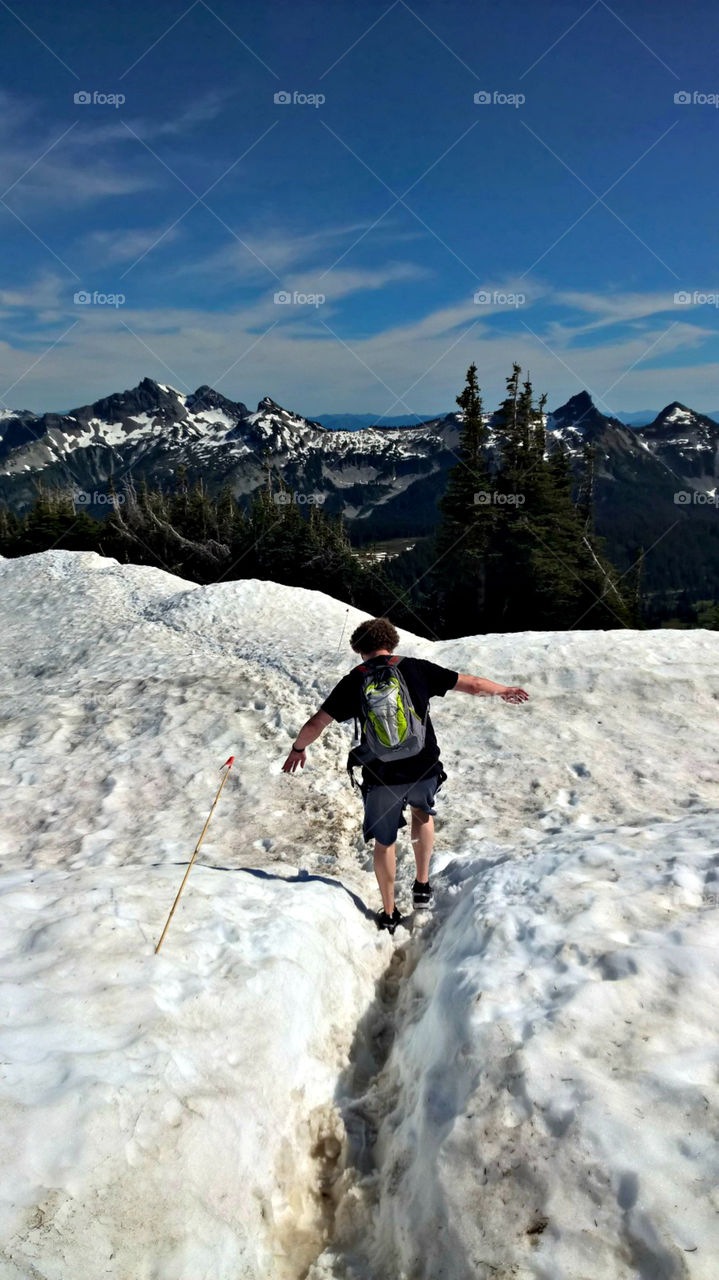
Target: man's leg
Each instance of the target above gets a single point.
(385, 868)
(422, 842)
(383, 816)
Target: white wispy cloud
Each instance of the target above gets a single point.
(124, 244)
(46, 290)
(202, 110)
(604, 310)
(95, 160)
(280, 247)
(301, 365)
(617, 346)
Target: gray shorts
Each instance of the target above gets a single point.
(384, 805)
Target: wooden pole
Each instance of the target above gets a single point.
(227, 765)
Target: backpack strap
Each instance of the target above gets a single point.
(391, 659)
(353, 764)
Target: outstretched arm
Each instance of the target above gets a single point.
(309, 732)
(482, 688)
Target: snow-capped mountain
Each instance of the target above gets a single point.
(687, 442)
(680, 443)
(619, 451)
(151, 430)
(654, 492)
(579, 420)
(386, 481)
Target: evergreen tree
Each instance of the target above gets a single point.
(458, 585)
(540, 566)
(708, 614)
(522, 492)
(633, 592)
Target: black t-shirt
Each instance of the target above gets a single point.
(425, 680)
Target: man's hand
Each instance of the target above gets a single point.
(482, 688)
(309, 732)
(513, 694)
(296, 759)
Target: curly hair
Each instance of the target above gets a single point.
(375, 633)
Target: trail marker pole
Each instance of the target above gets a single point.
(227, 766)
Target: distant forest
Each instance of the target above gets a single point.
(514, 549)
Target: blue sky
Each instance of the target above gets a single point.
(576, 215)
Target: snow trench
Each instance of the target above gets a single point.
(364, 1096)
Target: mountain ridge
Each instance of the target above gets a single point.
(155, 428)
(385, 481)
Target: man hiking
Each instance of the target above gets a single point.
(389, 697)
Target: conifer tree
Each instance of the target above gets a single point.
(544, 567)
(458, 583)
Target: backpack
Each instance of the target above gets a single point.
(390, 727)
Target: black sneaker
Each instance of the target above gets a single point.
(388, 922)
(422, 894)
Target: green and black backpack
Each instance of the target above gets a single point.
(389, 728)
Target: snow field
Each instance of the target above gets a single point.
(551, 1101)
(172, 1116)
(539, 1068)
